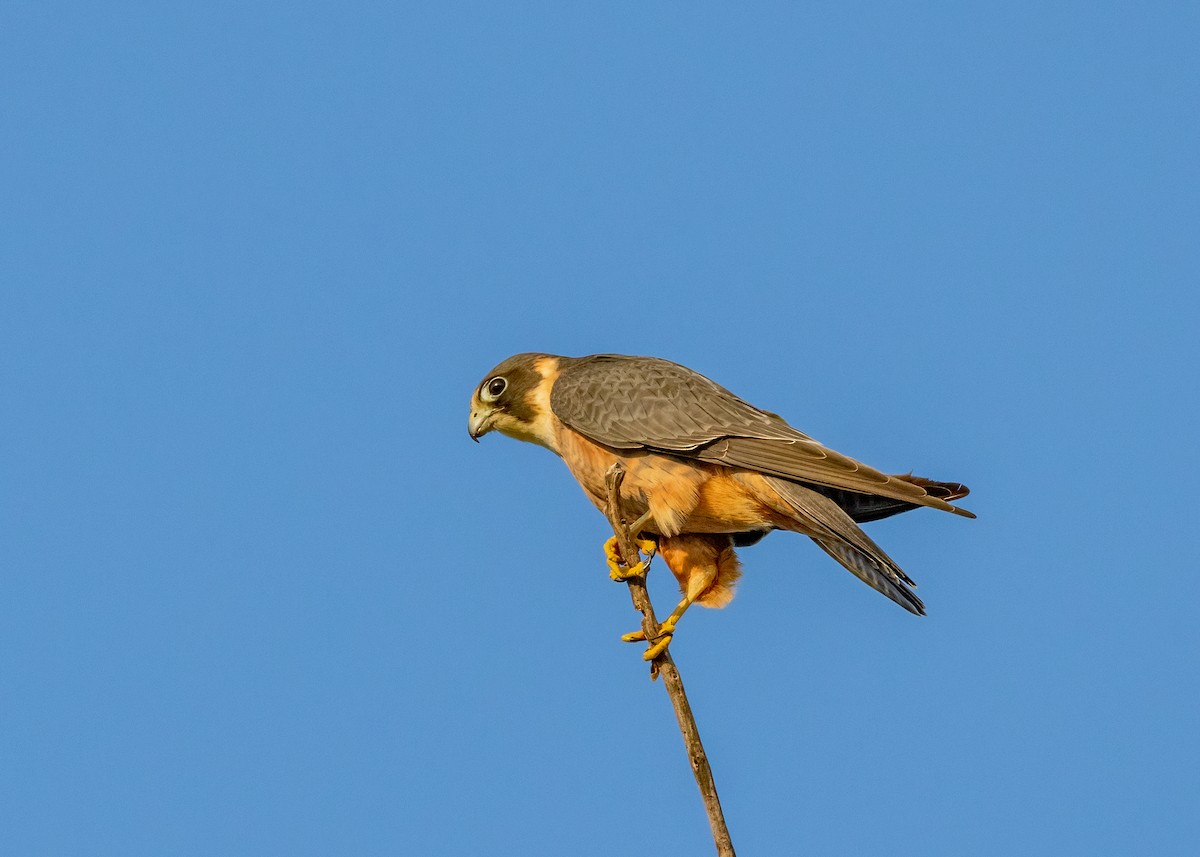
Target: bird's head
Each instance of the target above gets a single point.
(514, 399)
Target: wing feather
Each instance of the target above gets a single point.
(836, 534)
(648, 403)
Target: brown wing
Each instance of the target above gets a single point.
(648, 403)
(810, 462)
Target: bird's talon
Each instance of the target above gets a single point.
(659, 641)
(658, 648)
(622, 573)
(612, 550)
(616, 559)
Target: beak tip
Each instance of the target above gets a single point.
(477, 426)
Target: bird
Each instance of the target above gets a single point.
(706, 471)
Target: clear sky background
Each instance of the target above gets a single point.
(260, 593)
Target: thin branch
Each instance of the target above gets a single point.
(664, 666)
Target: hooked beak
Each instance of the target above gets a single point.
(479, 424)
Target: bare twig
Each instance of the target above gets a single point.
(663, 665)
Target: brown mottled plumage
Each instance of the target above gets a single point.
(712, 469)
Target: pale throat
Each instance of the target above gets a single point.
(528, 432)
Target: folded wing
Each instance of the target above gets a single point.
(648, 403)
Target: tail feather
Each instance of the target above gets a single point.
(872, 574)
(827, 524)
(942, 490)
(863, 508)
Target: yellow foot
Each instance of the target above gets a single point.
(661, 641)
(616, 570)
(658, 648)
(625, 572)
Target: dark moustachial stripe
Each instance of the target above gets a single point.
(522, 378)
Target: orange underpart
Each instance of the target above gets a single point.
(704, 564)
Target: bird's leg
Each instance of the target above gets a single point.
(665, 631)
(617, 570)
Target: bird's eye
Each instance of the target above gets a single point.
(494, 389)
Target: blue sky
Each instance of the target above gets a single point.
(261, 594)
